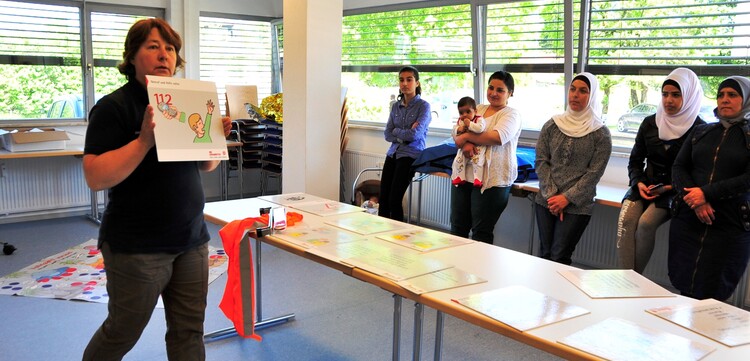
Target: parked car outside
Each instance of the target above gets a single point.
(66, 106)
(69, 106)
(707, 113)
(633, 119)
(444, 107)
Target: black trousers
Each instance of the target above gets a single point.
(395, 179)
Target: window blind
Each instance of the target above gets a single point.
(424, 36)
(235, 51)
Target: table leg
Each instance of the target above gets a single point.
(240, 170)
(396, 327)
(418, 315)
(261, 323)
(224, 180)
(439, 336)
(94, 215)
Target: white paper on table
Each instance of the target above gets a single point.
(326, 208)
(290, 199)
(308, 236)
(339, 252)
(440, 280)
(711, 318)
(615, 283)
(188, 119)
(423, 239)
(365, 223)
(621, 340)
(521, 308)
(397, 264)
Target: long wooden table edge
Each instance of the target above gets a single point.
(475, 318)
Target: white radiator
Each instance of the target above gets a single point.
(597, 246)
(31, 186)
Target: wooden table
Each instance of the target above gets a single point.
(501, 267)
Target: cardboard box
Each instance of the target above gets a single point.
(25, 141)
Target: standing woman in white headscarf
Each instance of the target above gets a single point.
(709, 236)
(659, 139)
(571, 154)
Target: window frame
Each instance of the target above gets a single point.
(87, 60)
(275, 60)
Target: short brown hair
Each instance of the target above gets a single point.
(138, 34)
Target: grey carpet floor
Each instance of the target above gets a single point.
(336, 317)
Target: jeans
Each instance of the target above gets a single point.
(559, 238)
(472, 210)
(134, 284)
(394, 181)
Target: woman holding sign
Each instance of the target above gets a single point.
(153, 238)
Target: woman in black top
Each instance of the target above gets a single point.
(660, 136)
(709, 237)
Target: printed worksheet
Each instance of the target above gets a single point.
(365, 223)
(316, 236)
(711, 318)
(397, 263)
(326, 208)
(423, 239)
(521, 308)
(338, 252)
(617, 339)
(188, 124)
(290, 199)
(440, 280)
(614, 283)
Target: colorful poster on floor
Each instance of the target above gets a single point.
(78, 274)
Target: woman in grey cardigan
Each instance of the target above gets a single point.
(571, 154)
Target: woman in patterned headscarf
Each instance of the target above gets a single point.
(659, 139)
(709, 236)
(571, 154)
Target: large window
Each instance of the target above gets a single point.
(238, 52)
(44, 72)
(436, 40)
(527, 39)
(631, 45)
(634, 44)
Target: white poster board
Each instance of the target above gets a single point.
(188, 122)
(237, 96)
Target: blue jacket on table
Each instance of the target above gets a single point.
(405, 141)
